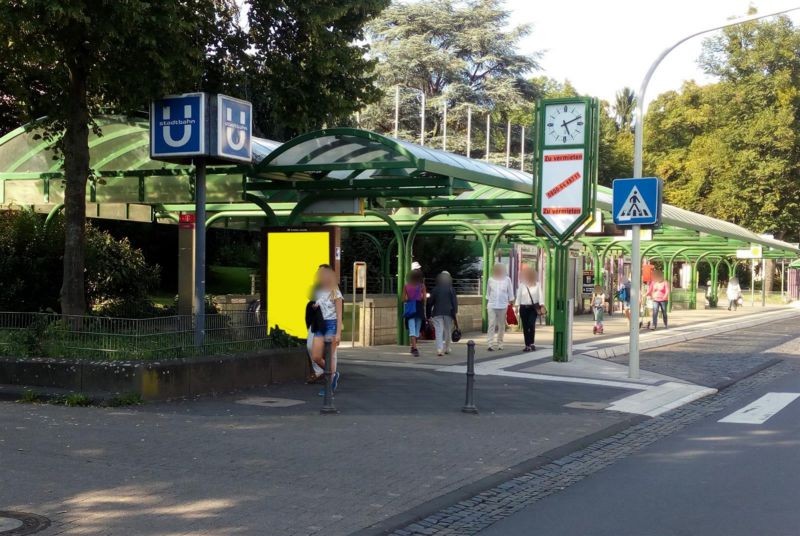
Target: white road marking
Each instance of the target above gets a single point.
(759, 411)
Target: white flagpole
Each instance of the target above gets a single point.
(488, 134)
(522, 151)
(508, 143)
(469, 130)
(396, 110)
(422, 122)
(444, 128)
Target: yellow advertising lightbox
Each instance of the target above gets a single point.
(292, 258)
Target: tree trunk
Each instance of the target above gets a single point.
(769, 274)
(76, 172)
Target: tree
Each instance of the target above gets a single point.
(70, 60)
(457, 53)
(624, 107)
(309, 64)
(73, 59)
(731, 149)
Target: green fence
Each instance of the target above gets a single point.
(103, 338)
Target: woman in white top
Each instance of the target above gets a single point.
(734, 292)
(499, 295)
(328, 299)
(529, 301)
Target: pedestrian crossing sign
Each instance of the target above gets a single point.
(637, 201)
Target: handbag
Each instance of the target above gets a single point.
(456, 335)
(314, 319)
(511, 316)
(409, 309)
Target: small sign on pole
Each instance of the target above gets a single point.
(359, 282)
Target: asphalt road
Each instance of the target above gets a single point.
(731, 478)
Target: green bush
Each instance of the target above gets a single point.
(31, 254)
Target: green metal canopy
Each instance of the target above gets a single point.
(351, 155)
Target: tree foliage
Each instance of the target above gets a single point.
(308, 63)
(732, 149)
(117, 274)
(457, 53)
(70, 60)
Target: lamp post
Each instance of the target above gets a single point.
(636, 261)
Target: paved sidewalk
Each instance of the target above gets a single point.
(241, 465)
(264, 462)
(616, 331)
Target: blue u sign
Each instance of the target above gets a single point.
(234, 129)
(178, 126)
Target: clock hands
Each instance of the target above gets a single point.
(564, 125)
(571, 120)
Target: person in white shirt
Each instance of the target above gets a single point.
(529, 301)
(499, 295)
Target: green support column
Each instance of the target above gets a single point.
(715, 278)
(692, 285)
(401, 270)
(560, 311)
(668, 277)
(550, 287)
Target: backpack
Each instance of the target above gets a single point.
(622, 295)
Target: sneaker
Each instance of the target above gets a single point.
(415, 352)
(447, 350)
(439, 353)
(526, 349)
(335, 381)
(500, 347)
(490, 348)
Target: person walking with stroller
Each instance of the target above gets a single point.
(598, 309)
(733, 293)
(659, 292)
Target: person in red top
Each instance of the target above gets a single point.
(659, 293)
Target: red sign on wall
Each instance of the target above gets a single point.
(186, 221)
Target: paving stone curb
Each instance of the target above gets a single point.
(472, 515)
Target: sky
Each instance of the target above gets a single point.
(603, 45)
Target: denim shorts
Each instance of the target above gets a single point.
(414, 326)
(330, 329)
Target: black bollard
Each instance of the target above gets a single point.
(469, 403)
(327, 401)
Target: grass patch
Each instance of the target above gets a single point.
(228, 280)
(127, 399)
(29, 396)
(74, 400)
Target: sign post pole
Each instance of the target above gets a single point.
(564, 195)
(200, 252)
(636, 202)
(636, 286)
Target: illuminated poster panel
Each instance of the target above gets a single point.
(291, 259)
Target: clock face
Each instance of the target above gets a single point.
(565, 124)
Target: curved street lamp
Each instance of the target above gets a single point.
(636, 261)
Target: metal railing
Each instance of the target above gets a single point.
(388, 285)
(91, 337)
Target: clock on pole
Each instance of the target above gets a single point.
(564, 192)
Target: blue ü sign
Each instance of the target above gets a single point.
(234, 129)
(178, 126)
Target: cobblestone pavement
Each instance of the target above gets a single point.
(479, 512)
(718, 360)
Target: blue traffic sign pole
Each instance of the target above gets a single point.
(636, 202)
(200, 252)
